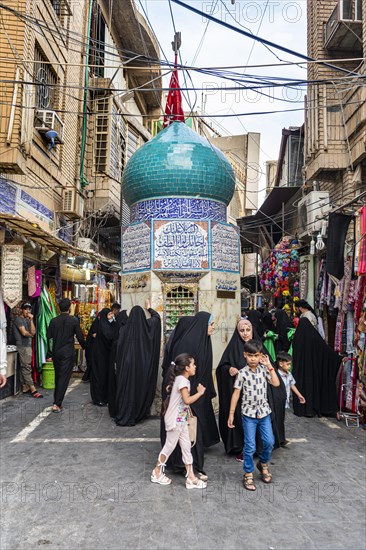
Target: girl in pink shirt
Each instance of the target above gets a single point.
(176, 408)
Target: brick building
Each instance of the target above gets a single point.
(335, 124)
(70, 116)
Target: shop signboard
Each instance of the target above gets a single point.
(181, 245)
(11, 273)
(136, 247)
(225, 246)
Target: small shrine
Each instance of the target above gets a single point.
(178, 249)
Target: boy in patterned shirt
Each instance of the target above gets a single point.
(252, 380)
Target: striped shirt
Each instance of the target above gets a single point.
(254, 401)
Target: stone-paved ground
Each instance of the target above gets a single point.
(63, 486)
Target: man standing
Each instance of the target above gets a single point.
(24, 331)
(62, 330)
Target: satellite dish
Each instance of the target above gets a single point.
(51, 135)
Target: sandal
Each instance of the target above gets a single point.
(56, 409)
(195, 483)
(265, 474)
(248, 482)
(202, 476)
(36, 394)
(162, 479)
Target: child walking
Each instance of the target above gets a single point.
(284, 361)
(176, 416)
(252, 380)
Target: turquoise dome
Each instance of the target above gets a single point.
(178, 162)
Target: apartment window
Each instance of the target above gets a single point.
(133, 143)
(350, 10)
(46, 80)
(101, 133)
(56, 4)
(97, 42)
(118, 144)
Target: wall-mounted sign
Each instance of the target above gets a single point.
(180, 245)
(136, 247)
(11, 273)
(225, 247)
(222, 284)
(135, 282)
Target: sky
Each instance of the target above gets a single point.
(280, 21)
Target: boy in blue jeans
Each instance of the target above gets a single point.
(256, 413)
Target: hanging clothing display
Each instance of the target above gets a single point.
(46, 313)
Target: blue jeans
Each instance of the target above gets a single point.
(250, 426)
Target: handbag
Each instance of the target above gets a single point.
(192, 427)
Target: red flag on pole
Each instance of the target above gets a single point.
(173, 109)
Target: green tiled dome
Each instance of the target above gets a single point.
(178, 162)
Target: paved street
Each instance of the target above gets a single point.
(77, 480)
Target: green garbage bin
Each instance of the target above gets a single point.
(48, 376)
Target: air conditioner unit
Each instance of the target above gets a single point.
(49, 120)
(88, 245)
(311, 212)
(72, 203)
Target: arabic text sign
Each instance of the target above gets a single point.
(225, 247)
(136, 247)
(12, 273)
(181, 244)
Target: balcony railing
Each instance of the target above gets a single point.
(343, 30)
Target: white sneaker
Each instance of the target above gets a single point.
(162, 479)
(195, 484)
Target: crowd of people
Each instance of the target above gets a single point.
(267, 362)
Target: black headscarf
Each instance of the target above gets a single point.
(191, 337)
(282, 325)
(120, 321)
(100, 358)
(137, 364)
(315, 367)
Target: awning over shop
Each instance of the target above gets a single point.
(260, 230)
(31, 230)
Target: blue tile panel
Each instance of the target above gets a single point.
(178, 162)
(178, 207)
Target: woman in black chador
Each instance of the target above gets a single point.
(282, 324)
(315, 367)
(231, 362)
(193, 335)
(102, 345)
(121, 320)
(137, 362)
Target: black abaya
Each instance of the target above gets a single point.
(315, 367)
(100, 359)
(283, 323)
(121, 320)
(89, 350)
(233, 356)
(137, 361)
(193, 339)
(233, 438)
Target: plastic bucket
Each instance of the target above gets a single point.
(48, 376)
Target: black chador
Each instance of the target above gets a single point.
(137, 363)
(121, 320)
(191, 337)
(100, 358)
(89, 342)
(233, 356)
(315, 367)
(283, 323)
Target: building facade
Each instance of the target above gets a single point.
(71, 115)
(335, 124)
